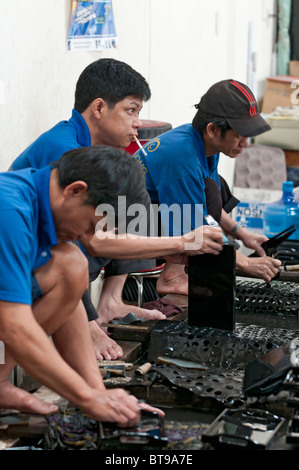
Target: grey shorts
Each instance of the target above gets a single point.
(36, 291)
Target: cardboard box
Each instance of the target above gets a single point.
(282, 90)
(294, 68)
(284, 134)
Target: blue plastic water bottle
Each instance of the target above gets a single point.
(280, 215)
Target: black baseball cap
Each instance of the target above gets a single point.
(236, 103)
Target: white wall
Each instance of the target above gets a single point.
(180, 47)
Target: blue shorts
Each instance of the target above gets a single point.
(36, 291)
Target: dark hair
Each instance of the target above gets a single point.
(202, 119)
(108, 172)
(110, 80)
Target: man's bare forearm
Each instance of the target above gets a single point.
(127, 247)
(204, 239)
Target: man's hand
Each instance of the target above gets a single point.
(252, 240)
(265, 267)
(204, 239)
(116, 405)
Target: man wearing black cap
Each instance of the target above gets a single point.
(181, 169)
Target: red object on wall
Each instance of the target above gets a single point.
(148, 131)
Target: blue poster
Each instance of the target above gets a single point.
(92, 26)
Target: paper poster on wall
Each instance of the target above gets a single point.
(92, 26)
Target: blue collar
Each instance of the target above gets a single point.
(83, 134)
(46, 228)
(207, 163)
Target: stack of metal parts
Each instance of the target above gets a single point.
(215, 359)
(279, 370)
(70, 429)
(185, 435)
(277, 297)
(288, 252)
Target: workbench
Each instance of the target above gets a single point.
(188, 413)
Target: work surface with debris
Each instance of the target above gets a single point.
(196, 375)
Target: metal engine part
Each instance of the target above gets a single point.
(223, 353)
(223, 386)
(214, 347)
(277, 297)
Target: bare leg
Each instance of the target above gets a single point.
(57, 298)
(73, 341)
(61, 291)
(105, 347)
(75, 326)
(111, 305)
(173, 280)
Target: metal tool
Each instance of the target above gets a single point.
(273, 242)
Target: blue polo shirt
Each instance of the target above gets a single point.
(27, 230)
(175, 168)
(51, 145)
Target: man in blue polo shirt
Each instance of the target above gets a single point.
(181, 167)
(108, 99)
(43, 277)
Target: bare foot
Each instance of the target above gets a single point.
(14, 398)
(142, 312)
(105, 347)
(175, 286)
(111, 309)
(172, 280)
(111, 305)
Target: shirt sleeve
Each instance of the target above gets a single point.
(16, 250)
(43, 152)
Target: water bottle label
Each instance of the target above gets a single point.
(250, 215)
